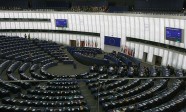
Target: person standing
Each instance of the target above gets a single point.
(29, 36)
(25, 35)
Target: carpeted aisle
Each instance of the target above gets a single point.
(68, 69)
(64, 69)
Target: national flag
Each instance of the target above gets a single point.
(133, 52)
(128, 51)
(125, 50)
(92, 43)
(88, 43)
(96, 45)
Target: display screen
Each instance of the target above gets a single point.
(174, 34)
(61, 22)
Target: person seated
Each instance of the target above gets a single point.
(30, 55)
(114, 52)
(120, 70)
(81, 108)
(91, 68)
(168, 66)
(101, 69)
(147, 71)
(131, 72)
(111, 70)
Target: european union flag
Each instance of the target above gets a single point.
(113, 41)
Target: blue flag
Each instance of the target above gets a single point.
(113, 41)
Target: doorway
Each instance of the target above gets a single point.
(157, 60)
(82, 43)
(145, 55)
(73, 43)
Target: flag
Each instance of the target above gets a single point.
(96, 45)
(112, 41)
(128, 52)
(133, 52)
(88, 43)
(92, 43)
(125, 50)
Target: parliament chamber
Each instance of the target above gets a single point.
(92, 56)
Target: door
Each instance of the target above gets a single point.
(145, 56)
(73, 43)
(82, 43)
(157, 60)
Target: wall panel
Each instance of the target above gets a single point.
(162, 31)
(180, 61)
(97, 23)
(110, 25)
(184, 61)
(146, 28)
(102, 32)
(118, 28)
(170, 58)
(132, 27)
(137, 27)
(121, 25)
(77, 22)
(81, 23)
(141, 50)
(174, 59)
(127, 23)
(165, 57)
(136, 51)
(150, 54)
(151, 29)
(106, 25)
(89, 21)
(86, 23)
(123, 30)
(114, 26)
(142, 31)
(167, 24)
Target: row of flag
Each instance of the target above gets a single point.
(87, 43)
(128, 51)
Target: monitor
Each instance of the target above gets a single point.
(61, 22)
(174, 34)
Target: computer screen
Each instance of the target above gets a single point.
(61, 22)
(174, 34)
